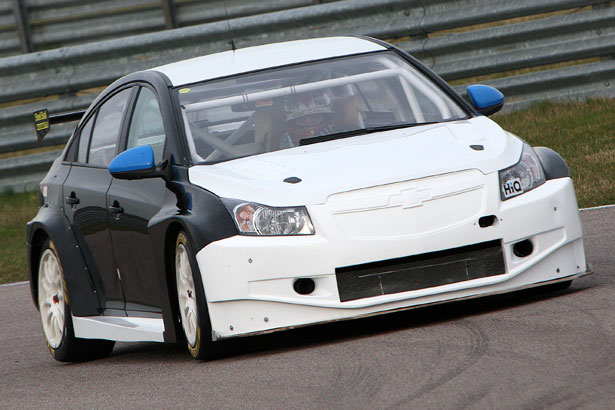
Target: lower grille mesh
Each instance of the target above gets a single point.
(420, 271)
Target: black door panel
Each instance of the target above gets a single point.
(85, 192)
(131, 205)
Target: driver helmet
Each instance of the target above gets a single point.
(308, 115)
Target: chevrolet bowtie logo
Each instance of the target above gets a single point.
(411, 198)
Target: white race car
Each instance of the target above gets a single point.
(284, 185)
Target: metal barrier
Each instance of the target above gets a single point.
(35, 25)
(462, 40)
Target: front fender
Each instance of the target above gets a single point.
(204, 218)
(552, 163)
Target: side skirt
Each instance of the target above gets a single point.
(121, 329)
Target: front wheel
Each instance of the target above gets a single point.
(192, 305)
(56, 317)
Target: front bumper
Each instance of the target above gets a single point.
(248, 281)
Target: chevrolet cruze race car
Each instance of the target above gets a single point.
(284, 185)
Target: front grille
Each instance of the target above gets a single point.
(422, 271)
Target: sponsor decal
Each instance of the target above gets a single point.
(41, 122)
(512, 187)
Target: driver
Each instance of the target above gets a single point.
(307, 115)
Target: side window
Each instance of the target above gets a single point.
(84, 140)
(146, 127)
(107, 129)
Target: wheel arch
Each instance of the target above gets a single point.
(35, 245)
(204, 219)
(174, 228)
(52, 225)
(552, 163)
(165, 231)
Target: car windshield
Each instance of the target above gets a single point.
(282, 108)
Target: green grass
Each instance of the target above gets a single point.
(15, 211)
(582, 132)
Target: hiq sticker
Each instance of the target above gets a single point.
(512, 187)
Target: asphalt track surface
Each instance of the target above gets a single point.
(533, 349)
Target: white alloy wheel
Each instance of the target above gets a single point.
(186, 294)
(51, 298)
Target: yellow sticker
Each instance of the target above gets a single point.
(184, 90)
(263, 103)
(42, 125)
(40, 115)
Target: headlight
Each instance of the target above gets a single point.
(257, 219)
(524, 176)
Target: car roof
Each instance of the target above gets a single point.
(261, 57)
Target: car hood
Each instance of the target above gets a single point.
(362, 161)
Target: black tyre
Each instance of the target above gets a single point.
(55, 314)
(191, 300)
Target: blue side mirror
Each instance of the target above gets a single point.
(134, 163)
(487, 100)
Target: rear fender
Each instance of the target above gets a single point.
(52, 224)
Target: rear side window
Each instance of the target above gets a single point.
(107, 129)
(84, 141)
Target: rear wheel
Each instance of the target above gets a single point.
(56, 317)
(192, 305)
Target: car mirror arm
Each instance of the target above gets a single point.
(163, 170)
(184, 198)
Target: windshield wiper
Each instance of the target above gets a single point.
(360, 131)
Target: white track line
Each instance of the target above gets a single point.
(13, 284)
(597, 207)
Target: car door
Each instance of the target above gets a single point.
(85, 192)
(132, 204)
